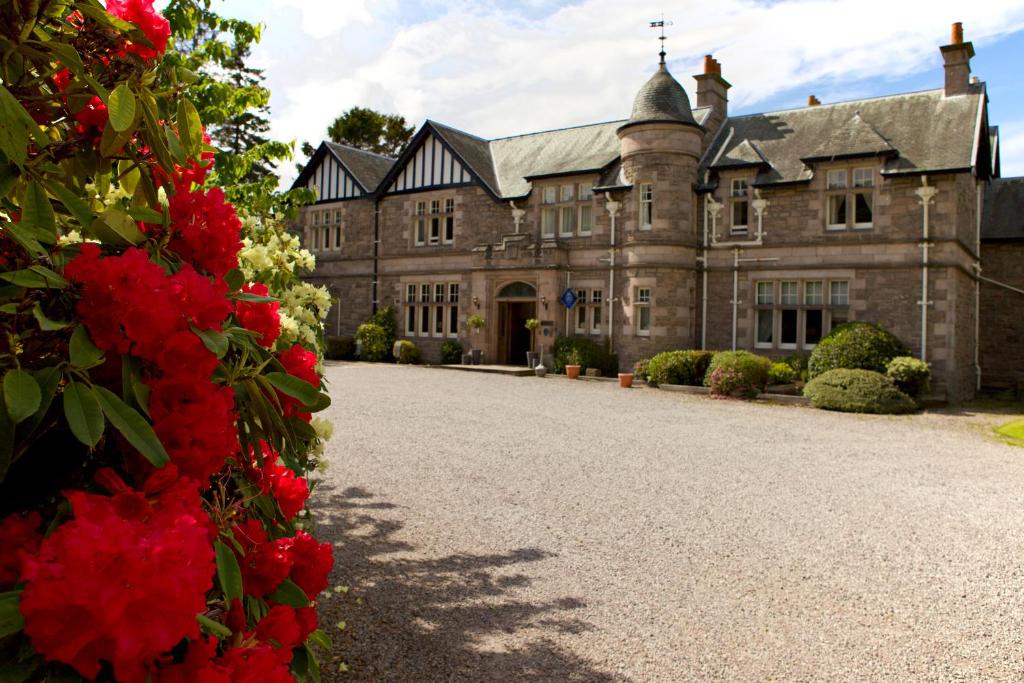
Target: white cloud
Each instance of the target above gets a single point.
(1011, 149)
(494, 70)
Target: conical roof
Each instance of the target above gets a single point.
(661, 99)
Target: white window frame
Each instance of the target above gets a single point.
(567, 193)
(856, 190)
(581, 312)
(837, 186)
(589, 229)
(643, 299)
(549, 195)
(419, 224)
(645, 217)
(566, 220)
(448, 218)
(764, 295)
(585, 192)
(548, 229)
(596, 310)
(410, 306)
(451, 330)
(739, 194)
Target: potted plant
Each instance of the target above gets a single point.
(625, 380)
(531, 357)
(476, 323)
(572, 365)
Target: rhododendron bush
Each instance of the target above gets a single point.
(157, 421)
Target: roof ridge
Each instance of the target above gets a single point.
(361, 151)
(558, 130)
(457, 130)
(836, 104)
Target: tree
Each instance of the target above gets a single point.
(371, 130)
(244, 129)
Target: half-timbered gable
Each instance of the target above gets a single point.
(338, 172)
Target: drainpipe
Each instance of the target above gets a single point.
(736, 286)
(977, 291)
(925, 194)
(613, 210)
(703, 260)
(376, 251)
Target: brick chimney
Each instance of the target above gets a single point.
(713, 91)
(813, 101)
(957, 57)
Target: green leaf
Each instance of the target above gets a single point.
(320, 639)
(294, 387)
(48, 379)
(314, 665)
(116, 227)
(84, 354)
(21, 394)
(190, 127)
(121, 106)
(132, 425)
(69, 56)
(234, 279)
(214, 340)
(146, 215)
(38, 214)
(128, 175)
(289, 593)
(78, 207)
(35, 277)
(6, 443)
(14, 131)
(25, 239)
(11, 620)
(253, 298)
(228, 573)
(83, 412)
(323, 402)
(214, 628)
(45, 323)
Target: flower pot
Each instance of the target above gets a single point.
(625, 380)
(531, 359)
(467, 359)
(477, 353)
(540, 370)
(572, 371)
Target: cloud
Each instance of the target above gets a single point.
(497, 69)
(1011, 149)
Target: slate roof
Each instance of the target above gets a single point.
(661, 99)
(1003, 213)
(919, 132)
(367, 168)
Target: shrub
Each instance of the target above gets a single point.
(451, 352)
(680, 367)
(374, 340)
(340, 348)
(589, 354)
(385, 318)
(797, 361)
(910, 375)
(641, 369)
(408, 353)
(781, 373)
(857, 391)
(856, 345)
(732, 382)
(752, 367)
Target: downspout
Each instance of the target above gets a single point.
(613, 209)
(925, 194)
(977, 292)
(735, 292)
(376, 250)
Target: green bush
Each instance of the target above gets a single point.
(340, 348)
(912, 376)
(641, 369)
(781, 373)
(679, 367)
(385, 318)
(451, 352)
(408, 353)
(856, 345)
(753, 368)
(374, 340)
(857, 391)
(590, 355)
(797, 361)
(731, 382)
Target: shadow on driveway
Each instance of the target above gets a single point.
(434, 619)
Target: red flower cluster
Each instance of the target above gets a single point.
(205, 230)
(288, 490)
(121, 582)
(153, 25)
(301, 363)
(259, 663)
(196, 424)
(260, 317)
(266, 563)
(18, 536)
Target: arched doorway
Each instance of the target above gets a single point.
(517, 303)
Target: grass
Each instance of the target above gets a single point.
(1012, 432)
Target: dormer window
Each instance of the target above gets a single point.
(646, 205)
(739, 198)
(850, 201)
(434, 222)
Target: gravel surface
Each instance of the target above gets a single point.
(493, 528)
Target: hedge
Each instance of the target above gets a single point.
(591, 355)
(912, 376)
(737, 373)
(451, 352)
(781, 373)
(857, 391)
(679, 367)
(340, 348)
(408, 353)
(374, 340)
(856, 345)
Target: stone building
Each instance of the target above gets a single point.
(685, 227)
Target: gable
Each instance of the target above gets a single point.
(331, 181)
(433, 165)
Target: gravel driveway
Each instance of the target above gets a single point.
(492, 528)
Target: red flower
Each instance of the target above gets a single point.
(197, 666)
(301, 363)
(203, 301)
(288, 490)
(152, 23)
(265, 563)
(259, 664)
(121, 582)
(205, 230)
(18, 536)
(260, 317)
(195, 422)
(313, 562)
(93, 116)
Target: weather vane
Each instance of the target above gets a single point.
(661, 23)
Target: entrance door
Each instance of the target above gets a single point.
(516, 340)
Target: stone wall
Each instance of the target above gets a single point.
(1002, 320)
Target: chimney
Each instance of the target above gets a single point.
(813, 101)
(957, 57)
(713, 91)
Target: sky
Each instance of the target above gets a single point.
(500, 68)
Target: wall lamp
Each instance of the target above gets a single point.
(476, 301)
(544, 302)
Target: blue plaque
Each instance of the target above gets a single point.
(569, 298)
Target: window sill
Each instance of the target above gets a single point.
(835, 228)
(863, 226)
(762, 345)
(738, 230)
(645, 228)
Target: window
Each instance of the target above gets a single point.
(436, 226)
(449, 221)
(765, 316)
(740, 207)
(643, 311)
(581, 311)
(337, 236)
(789, 296)
(797, 318)
(550, 195)
(596, 300)
(586, 192)
(421, 223)
(327, 238)
(432, 310)
(453, 309)
(548, 221)
(586, 220)
(424, 310)
(850, 204)
(316, 238)
(839, 299)
(646, 205)
(435, 221)
(568, 220)
(568, 193)
(410, 309)
(316, 218)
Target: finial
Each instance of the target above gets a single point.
(661, 24)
